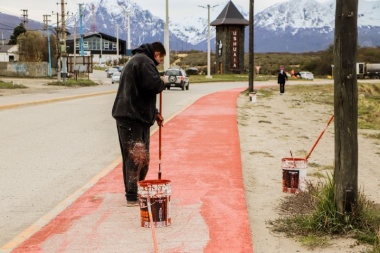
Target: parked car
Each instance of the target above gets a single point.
(115, 78)
(306, 75)
(176, 77)
(120, 68)
(110, 71)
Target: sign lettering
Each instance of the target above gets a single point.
(234, 38)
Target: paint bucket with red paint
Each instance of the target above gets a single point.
(155, 193)
(293, 174)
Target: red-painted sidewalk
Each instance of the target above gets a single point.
(201, 157)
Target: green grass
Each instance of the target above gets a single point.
(313, 242)
(74, 83)
(219, 78)
(373, 136)
(320, 220)
(318, 174)
(368, 101)
(4, 85)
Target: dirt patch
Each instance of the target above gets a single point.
(268, 130)
(33, 86)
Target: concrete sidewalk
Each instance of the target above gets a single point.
(201, 158)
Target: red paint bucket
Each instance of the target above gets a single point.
(293, 174)
(159, 192)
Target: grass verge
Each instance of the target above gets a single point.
(4, 85)
(312, 217)
(74, 83)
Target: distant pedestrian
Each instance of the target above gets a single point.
(135, 112)
(281, 80)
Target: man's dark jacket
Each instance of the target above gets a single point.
(282, 77)
(140, 82)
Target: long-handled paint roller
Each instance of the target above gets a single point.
(319, 137)
(152, 225)
(159, 140)
(291, 155)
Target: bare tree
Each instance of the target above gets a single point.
(346, 106)
(33, 46)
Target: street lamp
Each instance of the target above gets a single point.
(128, 12)
(208, 40)
(166, 38)
(127, 25)
(49, 52)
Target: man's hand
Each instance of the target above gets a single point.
(159, 120)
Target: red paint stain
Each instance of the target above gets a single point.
(211, 172)
(88, 203)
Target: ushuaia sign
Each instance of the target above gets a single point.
(234, 49)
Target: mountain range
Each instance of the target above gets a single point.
(292, 26)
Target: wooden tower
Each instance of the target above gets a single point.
(230, 25)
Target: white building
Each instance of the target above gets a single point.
(8, 53)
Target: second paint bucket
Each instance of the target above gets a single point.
(159, 192)
(293, 174)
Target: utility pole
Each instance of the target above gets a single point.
(81, 29)
(346, 106)
(58, 30)
(208, 40)
(251, 45)
(167, 38)
(75, 46)
(117, 44)
(128, 29)
(47, 28)
(25, 18)
(63, 41)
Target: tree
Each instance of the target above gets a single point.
(346, 106)
(33, 46)
(327, 59)
(20, 29)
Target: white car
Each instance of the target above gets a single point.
(115, 78)
(306, 75)
(110, 71)
(176, 77)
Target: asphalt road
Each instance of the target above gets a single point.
(49, 151)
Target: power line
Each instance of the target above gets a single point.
(8, 12)
(9, 26)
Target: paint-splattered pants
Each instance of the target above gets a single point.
(134, 144)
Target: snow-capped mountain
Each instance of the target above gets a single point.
(145, 26)
(291, 26)
(307, 25)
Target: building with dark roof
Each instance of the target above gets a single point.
(229, 39)
(102, 47)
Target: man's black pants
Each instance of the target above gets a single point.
(134, 144)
